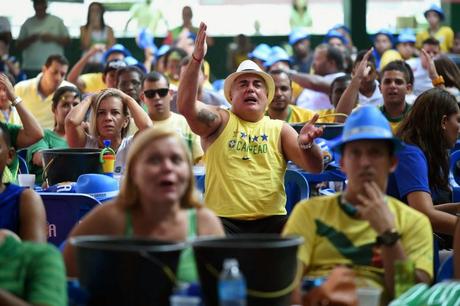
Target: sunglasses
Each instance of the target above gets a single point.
(151, 93)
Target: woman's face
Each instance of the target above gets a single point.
(452, 128)
(161, 171)
(67, 101)
(94, 13)
(110, 119)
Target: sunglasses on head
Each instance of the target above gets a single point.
(151, 93)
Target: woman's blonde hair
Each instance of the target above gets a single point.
(96, 101)
(129, 195)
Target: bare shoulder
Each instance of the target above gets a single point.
(107, 218)
(208, 222)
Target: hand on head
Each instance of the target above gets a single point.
(5, 82)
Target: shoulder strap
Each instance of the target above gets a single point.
(192, 224)
(129, 224)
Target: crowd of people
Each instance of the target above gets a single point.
(397, 102)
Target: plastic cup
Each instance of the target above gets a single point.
(26, 180)
(369, 296)
(108, 166)
(176, 300)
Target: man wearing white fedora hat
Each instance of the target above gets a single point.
(245, 152)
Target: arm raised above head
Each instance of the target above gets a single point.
(203, 119)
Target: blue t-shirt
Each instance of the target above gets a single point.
(410, 175)
(9, 207)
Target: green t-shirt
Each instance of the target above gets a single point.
(51, 140)
(33, 272)
(11, 176)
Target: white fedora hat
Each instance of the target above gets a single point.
(249, 67)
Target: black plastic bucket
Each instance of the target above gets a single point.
(330, 130)
(64, 165)
(127, 271)
(268, 262)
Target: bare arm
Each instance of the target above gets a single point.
(32, 217)
(141, 118)
(308, 158)
(74, 129)
(77, 69)
(208, 223)
(204, 120)
(310, 81)
(31, 132)
(111, 40)
(96, 222)
(85, 37)
(457, 251)
(441, 222)
(9, 299)
(350, 95)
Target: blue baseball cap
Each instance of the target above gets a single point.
(297, 35)
(385, 32)
(365, 123)
(340, 26)
(100, 186)
(116, 48)
(162, 51)
(437, 9)
(335, 34)
(260, 52)
(277, 54)
(406, 36)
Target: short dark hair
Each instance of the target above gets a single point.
(431, 41)
(400, 66)
(127, 69)
(154, 76)
(280, 72)
(343, 78)
(335, 55)
(56, 58)
(360, 56)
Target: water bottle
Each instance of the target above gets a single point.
(232, 285)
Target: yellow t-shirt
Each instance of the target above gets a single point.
(389, 56)
(179, 124)
(445, 35)
(39, 106)
(297, 114)
(93, 82)
(333, 237)
(245, 170)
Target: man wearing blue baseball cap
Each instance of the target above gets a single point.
(302, 56)
(435, 15)
(362, 227)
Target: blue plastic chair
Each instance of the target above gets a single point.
(446, 270)
(296, 187)
(63, 211)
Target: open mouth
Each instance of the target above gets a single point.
(250, 100)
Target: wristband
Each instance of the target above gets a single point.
(198, 60)
(16, 101)
(438, 81)
(306, 146)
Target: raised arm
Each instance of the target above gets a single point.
(77, 69)
(350, 95)
(204, 120)
(310, 81)
(31, 132)
(300, 148)
(140, 117)
(74, 129)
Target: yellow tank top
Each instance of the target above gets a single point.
(245, 170)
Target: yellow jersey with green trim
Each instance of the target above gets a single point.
(245, 170)
(333, 236)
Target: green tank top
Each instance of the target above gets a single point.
(186, 271)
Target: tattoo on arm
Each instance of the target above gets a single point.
(207, 117)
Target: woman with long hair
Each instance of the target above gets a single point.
(111, 110)
(156, 200)
(95, 31)
(421, 179)
(450, 73)
(65, 98)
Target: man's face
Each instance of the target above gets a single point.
(115, 56)
(432, 50)
(187, 14)
(394, 87)
(382, 43)
(157, 97)
(302, 47)
(367, 161)
(283, 92)
(433, 18)
(337, 91)
(337, 43)
(130, 83)
(110, 79)
(40, 8)
(249, 94)
(54, 75)
(406, 49)
(320, 62)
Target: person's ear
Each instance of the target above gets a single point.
(393, 163)
(443, 122)
(409, 87)
(126, 122)
(10, 155)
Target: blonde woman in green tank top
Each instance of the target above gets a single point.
(156, 200)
